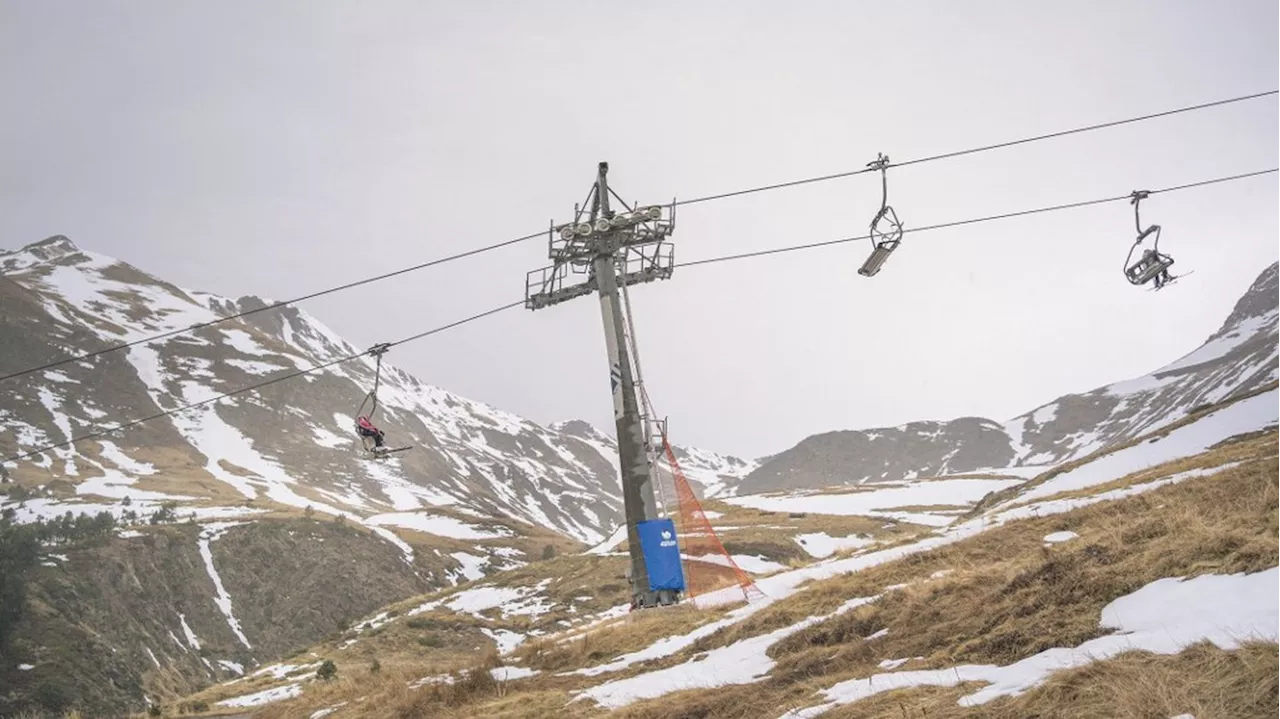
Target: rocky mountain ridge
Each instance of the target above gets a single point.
(1240, 357)
(289, 443)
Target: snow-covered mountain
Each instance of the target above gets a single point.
(711, 474)
(1240, 357)
(287, 444)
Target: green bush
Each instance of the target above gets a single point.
(327, 671)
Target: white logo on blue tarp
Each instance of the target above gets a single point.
(667, 541)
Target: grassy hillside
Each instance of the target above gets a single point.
(112, 624)
(1024, 574)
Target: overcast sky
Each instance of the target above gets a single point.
(276, 148)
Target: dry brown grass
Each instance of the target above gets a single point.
(1203, 681)
(599, 645)
(1007, 596)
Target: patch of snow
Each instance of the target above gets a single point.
(319, 713)
(438, 525)
(478, 599)
(742, 662)
(821, 545)
(192, 640)
(392, 537)
(425, 607)
(747, 563)
(1045, 414)
(471, 564)
(949, 492)
(1057, 537)
(231, 666)
(26, 667)
(266, 696)
(893, 663)
(208, 533)
(253, 367)
(325, 438)
(511, 601)
(434, 679)
(116, 456)
(506, 640)
(129, 534)
(153, 657)
(280, 671)
(618, 536)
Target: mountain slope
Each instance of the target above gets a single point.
(243, 560)
(1083, 592)
(289, 443)
(1240, 357)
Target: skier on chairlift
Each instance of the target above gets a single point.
(366, 429)
(1162, 277)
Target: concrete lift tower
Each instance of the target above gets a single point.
(598, 251)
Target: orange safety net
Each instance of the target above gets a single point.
(709, 571)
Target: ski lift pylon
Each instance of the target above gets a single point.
(886, 228)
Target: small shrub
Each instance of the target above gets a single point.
(327, 671)
(375, 666)
(432, 641)
(154, 710)
(549, 552)
(165, 514)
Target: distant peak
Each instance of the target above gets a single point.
(50, 249)
(56, 243)
(1259, 301)
(577, 428)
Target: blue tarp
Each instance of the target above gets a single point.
(661, 554)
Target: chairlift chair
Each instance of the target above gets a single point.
(886, 228)
(369, 444)
(1152, 265)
